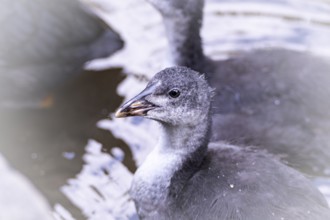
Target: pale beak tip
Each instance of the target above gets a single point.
(120, 114)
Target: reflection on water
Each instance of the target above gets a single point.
(100, 189)
(66, 149)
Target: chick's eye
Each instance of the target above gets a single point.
(174, 93)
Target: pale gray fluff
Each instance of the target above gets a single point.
(275, 99)
(186, 177)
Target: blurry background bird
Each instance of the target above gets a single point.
(44, 44)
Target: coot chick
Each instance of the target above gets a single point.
(276, 99)
(187, 177)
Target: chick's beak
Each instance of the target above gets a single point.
(137, 106)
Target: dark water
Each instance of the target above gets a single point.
(36, 140)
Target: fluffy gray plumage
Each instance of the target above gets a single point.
(273, 99)
(186, 177)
